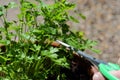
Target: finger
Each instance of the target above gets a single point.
(98, 76)
(116, 73)
(94, 69)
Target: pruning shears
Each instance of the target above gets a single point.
(103, 66)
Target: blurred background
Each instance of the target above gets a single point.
(102, 24)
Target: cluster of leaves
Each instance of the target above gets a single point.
(28, 53)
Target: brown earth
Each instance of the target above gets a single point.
(102, 24)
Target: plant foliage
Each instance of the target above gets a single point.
(28, 53)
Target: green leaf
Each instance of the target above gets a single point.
(74, 19)
(62, 62)
(73, 42)
(36, 31)
(3, 59)
(53, 50)
(1, 8)
(91, 43)
(23, 55)
(53, 56)
(36, 47)
(50, 54)
(25, 36)
(2, 29)
(12, 5)
(82, 16)
(45, 53)
(95, 50)
(1, 11)
(43, 4)
(12, 27)
(80, 34)
(4, 42)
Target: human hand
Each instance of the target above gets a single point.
(99, 76)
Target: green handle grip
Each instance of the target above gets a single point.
(104, 69)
